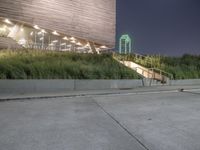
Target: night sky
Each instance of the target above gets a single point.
(167, 27)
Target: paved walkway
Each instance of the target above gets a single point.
(15, 96)
(158, 118)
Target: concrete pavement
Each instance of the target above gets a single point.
(139, 119)
(22, 95)
(166, 121)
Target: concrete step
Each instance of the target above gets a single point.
(146, 72)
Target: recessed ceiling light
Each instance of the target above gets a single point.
(55, 41)
(73, 41)
(72, 38)
(39, 33)
(7, 21)
(103, 47)
(43, 31)
(79, 44)
(55, 33)
(65, 38)
(36, 27)
(87, 45)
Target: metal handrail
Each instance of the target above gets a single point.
(137, 57)
(162, 71)
(144, 71)
(150, 62)
(151, 71)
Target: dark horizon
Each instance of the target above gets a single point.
(160, 27)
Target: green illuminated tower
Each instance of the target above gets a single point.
(125, 46)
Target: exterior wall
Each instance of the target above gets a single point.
(93, 20)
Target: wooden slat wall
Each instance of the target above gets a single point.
(89, 19)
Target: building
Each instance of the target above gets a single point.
(66, 25)
(125, 44)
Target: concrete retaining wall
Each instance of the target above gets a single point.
(186, 82)
(45, 86)
(42, 86)
(106, 84)
(31, 86)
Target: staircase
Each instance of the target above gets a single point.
(8, 43)
(152, 75)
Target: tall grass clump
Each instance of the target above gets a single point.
(36, 64)
(185, 67)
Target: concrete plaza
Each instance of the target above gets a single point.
(131, 120)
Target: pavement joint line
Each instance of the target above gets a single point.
(152, 92)
(122, 126)
(144, 93)
(51, 97)
(97, 94)
(190, 92)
